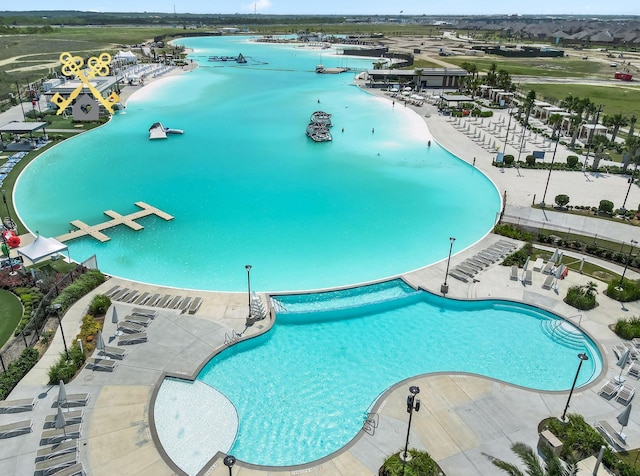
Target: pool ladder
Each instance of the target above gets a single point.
(231, 338)
(370, 423)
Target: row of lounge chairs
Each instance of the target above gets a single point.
(183, 304)
(621, 392)
(471, 266)
(133, 329)
(17, 428)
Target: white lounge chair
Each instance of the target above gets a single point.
(136, 311)
(142, 298)
(184, 305)
(113, 352)
(514, 273)
(107, 365)
(74, 470)
(610, 389)
(135, 338)
(614, 438)
(59, 449)
(195, 305)
(16, 406)
(634, 370)
(548, 282)
(73, 400)
(164, 301)
(140, 320)
(528, 277)
(130, 327)
(72, 417)
(625, 394)
(53, 465)
(112, 291)
(547, 267)
(56, 435)
(16, 429)
(538, 264)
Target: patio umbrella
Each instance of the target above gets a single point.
(581, 264)
(560, 256)
(554, 256)
(623, 418)
(61, 422)
(526, 264)
(62, 393)
(622, 362)
(100, 345)
(114, 317)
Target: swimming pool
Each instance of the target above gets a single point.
(302, 389)
(246, 186)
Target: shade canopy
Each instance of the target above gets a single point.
(41, 248)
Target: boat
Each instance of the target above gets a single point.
(321, 117)
(159, 131)
(318, 132)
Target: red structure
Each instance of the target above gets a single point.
(623, 76)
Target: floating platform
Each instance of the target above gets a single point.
(95, 231)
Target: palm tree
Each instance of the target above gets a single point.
(418, 72)
(528, 105)
(492, 78)
(551, 466)
(503, 80)
(616, 121)
(632, 124)
(555, 120)
(576, 121)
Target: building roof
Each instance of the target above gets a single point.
(17, 127)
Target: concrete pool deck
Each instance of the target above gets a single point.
(461, 417)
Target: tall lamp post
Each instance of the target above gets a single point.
(444, 289)
(631, 180)
(553, 158)
(626, 263)
(229, 461)
(4, 199)
(56, 307)
(248, 268)
(582, 358)
(413, 403)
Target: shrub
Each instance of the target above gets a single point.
(16, 370)
(519, 257)
(531, 160)
(506, 229)
(572, 161)
(582, 297)
(81, 286)
(420, 464)
(606, 206)
(65, 369)
(508, 160)
(562, 200)
(628, 328)
(99, 305)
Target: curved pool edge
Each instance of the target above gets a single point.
(378, 403)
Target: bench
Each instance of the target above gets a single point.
(549, 439)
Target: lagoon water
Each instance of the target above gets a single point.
(246, 186)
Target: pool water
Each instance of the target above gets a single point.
(246, 186)
(301, 391)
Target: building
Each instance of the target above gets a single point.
(436, 78)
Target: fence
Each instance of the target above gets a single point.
(30, 334)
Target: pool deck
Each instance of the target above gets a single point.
(462, 416)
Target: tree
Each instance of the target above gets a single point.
(576, 121)
(562, 200)
(528, 105)
(632, 124)
(503, 80)
(551, 465)
(492, 78)
(418, 72)
(606, 206)
(616, 121)
(555, 121)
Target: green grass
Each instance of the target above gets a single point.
(549, 67)
(616, 100)
(10, 314)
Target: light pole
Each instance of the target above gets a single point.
(444, 289)
(626, 263)
(582, 358)
(629, 187)
(413, 403)
(229, 461)
(248, 268)
(56, 307)
(4, 199)
(553, 158)
(591, 136)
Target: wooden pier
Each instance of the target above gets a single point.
(95, 231)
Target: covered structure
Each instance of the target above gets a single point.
(589, 131)
(125, 57)
(42, 248)
(453, 100)
(14, 131)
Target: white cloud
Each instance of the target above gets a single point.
(258, 6)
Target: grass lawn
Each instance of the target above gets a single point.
(10, 314)
(552, 67)
(616, 100)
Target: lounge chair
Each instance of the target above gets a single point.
(120, 294)
(112, 291)
(538, 264)
(135, 338)
(634, 353)
(548, 282)
(528, 277)
(619, 350)
(625, 394)
(465, 271)
(74, 470)
(184, 305)
(130, 327)
(140, 320)
(610, 389)
(72, 417)
(107, 365)
(153, 300)
(16, 406)
(16, 429)
(614, 438)
(53, 465)
(452, 273)
(144, 312)
(59, 449)
(481, 263)
(514, 273)
(636, 341)
(113, 352)
(475, 266)
(132, 296)
(164, 300)
(174, 303)
(73, 400)
(482, 259)
(141, 299)
(547, 267)
(56, 435)
(195, 305)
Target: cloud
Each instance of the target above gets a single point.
(258, 6)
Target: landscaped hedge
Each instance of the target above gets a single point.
(65, 369)
(16, 370)
(628, 328)
(582, 297)
(626, 292)
(420, 464)
(512, 231)
(99, 305)
(30, 298)
(81, 286)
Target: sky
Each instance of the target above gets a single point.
(342, 7)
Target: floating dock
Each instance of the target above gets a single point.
(95, 231)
